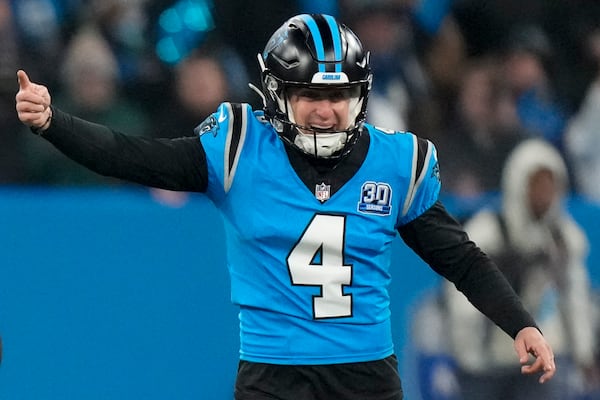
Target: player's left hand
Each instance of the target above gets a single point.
(530, 341)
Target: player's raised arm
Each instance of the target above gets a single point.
(33, 103)
(173, 164)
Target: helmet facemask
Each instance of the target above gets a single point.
(315, 141)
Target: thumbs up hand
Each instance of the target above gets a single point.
(33, 103)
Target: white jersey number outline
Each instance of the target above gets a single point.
(324, 237)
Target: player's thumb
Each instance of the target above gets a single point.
(23, 79)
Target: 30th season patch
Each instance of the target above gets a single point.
(375, 198)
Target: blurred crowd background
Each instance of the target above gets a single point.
(475, 77)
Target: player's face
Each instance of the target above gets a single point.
(322, 109)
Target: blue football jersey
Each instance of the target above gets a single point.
(309, 268)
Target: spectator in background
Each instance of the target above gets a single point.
(582, 137)
(90, 85)
(527, 67)
(485, 24)
(203, 80)
(542, 252)
(126, 28)
(444, 60)
(480, 133)
(200, 86)
(400, 82)
(41, 27)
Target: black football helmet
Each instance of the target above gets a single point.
(315, 51)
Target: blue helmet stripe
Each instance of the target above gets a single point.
(316, 35)
(337, 43)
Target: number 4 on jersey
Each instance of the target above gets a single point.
(318, 260)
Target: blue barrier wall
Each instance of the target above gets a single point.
(108, 294)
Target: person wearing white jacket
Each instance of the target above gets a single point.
(542, 251)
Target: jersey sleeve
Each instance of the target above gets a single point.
(222, 135)
(425, 184)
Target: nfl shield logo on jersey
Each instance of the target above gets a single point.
(322, 192)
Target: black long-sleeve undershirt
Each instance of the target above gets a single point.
(440, 241)
(173, 164)
(180, 164)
